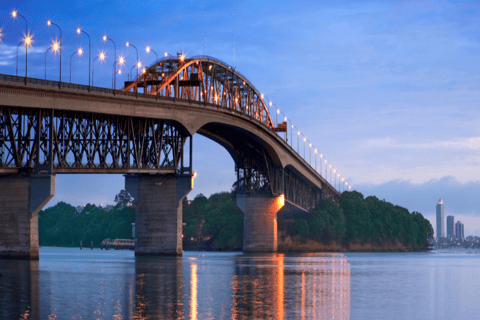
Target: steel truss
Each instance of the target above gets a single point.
(41, 140)
(203, 80)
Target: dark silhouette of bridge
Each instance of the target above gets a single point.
(145, 131)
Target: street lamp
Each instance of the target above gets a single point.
(330, 166)
(27, 40)
(79, 31)
(101, 56)
(120, 61)
(304, 145)
(326, 167)
(80, 52)
(334, 177)
(128, 44)
(310, 146)
(298, 142)
(148, 49)
(49, 23)
(55, 47)
(105, 38)
(321, 156)
(16, 72)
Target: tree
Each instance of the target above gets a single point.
(123, 198)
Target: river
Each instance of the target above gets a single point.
(93, 284)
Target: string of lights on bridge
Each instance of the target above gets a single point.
(56, 48)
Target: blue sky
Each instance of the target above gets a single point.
(387, 91)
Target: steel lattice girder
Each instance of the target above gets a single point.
(75, 142)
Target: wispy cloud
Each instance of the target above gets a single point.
(8, 53)
(388, 142)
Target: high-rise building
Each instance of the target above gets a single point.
(451, 227)
(440, 220)
(459, 230)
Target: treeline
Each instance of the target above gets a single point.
(216, 223)
(63, 226)
(356, 219)
(213, 223)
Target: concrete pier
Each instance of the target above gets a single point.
(21, 198)
(260, 222)
(158, 199)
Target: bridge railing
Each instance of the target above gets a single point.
(306, 158)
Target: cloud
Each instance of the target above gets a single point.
(459, 198)
(388, 142)
(8, 53)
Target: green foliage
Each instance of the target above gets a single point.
(327, 222)
(215, 222)
(63, 226)
(359, 219)
(301, 227)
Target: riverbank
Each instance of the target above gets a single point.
(296, 244)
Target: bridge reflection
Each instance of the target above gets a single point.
(195, 286)
(285, 287)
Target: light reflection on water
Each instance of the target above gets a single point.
(74, 284)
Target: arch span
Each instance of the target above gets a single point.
(203, 79)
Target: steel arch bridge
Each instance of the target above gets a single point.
(41, 129)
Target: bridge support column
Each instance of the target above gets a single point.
(260, 222)
(158, 226)
(21, 198)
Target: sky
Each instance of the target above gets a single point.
(387, 91)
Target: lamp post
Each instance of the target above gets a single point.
(27, 40)
(310, 146)
(330, 166)
(49, 23)
(321, 156)
(105, 38)
(80, 52)
(46, 62)
(148, 49)
(334, 177)
(128, 44)
(79, 31)
(298, 142)
(120, 61)
(291, 136)
(16, 72)
(326, 167)
(101, 56)
(304, 146)
(55, 47)
(315, 159)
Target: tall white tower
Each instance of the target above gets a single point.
(440, 220)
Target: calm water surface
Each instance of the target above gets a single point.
(86, 284)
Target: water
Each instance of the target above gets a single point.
(86, 284)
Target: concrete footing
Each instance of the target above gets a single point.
(158, 199)
(21, 198)
(260, 222)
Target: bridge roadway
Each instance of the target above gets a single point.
(272, 177)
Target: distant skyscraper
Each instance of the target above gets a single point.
(451, 227)
(459, 230)
(440, 220)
